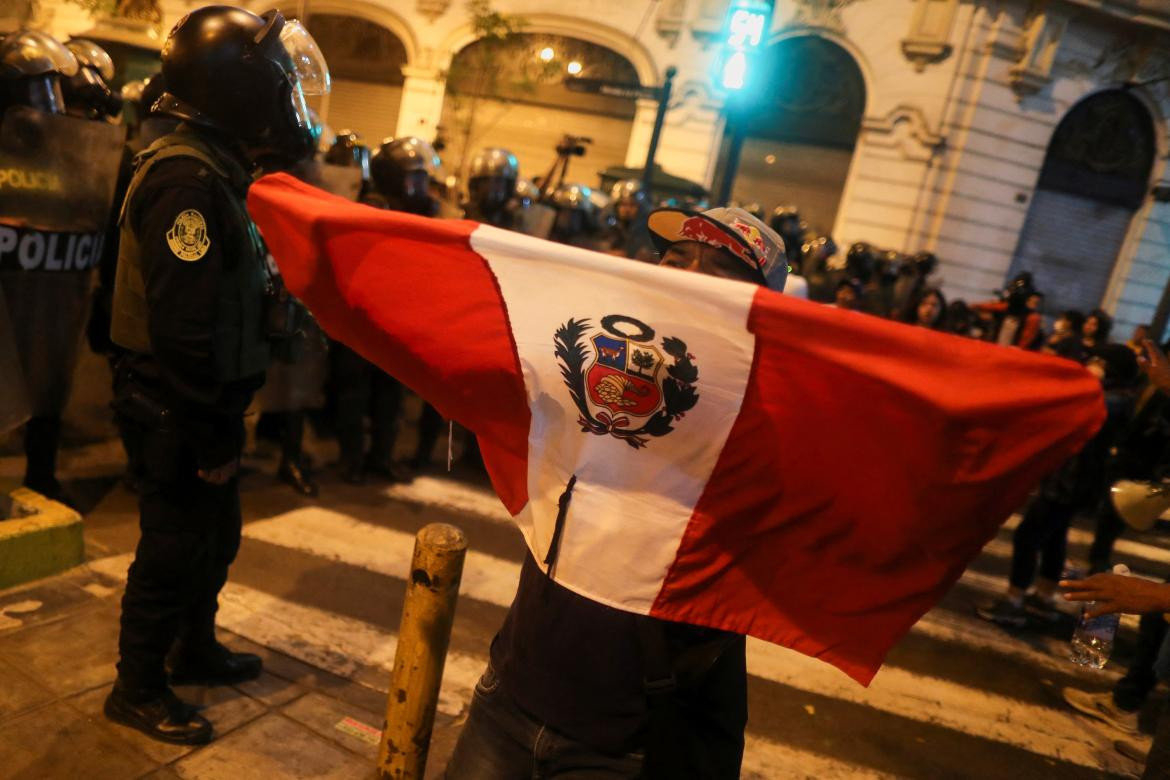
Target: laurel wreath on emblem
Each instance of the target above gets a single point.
(678, 387)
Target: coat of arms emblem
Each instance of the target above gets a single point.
(620, 380)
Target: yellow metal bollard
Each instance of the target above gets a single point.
(427, 614)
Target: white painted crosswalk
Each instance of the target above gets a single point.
(356, 650)
(364, 652)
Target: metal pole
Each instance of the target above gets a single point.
(738, 133)
(656, 133)
(427, 614)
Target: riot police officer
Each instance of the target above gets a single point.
(401, 170)
(87, 93)
(199, 312)
(624, 232)
(51, 230)
(575, 219)
(400, 176)
(346, 159)
(359, 389)
(491, 185)
(786, 221)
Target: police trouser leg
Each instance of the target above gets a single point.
(190, 533)
(42, 438)
(197, 630)
(430, 425)
(386, 403)
(351, 375)
(129, 432)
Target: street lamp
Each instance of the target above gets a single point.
(547, 54)
(574, 68)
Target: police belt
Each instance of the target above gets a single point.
(27, 249)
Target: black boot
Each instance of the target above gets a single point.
(216, 665)
(292, 473)
(353, 472)
(386, 469)
(159, 714)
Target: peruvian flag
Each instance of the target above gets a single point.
(727, 456)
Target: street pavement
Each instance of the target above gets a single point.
(321, 581)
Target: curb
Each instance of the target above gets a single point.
(43, 538)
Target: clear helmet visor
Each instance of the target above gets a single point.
(308, 63)
(302, 112)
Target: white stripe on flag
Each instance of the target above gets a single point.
(616, 481)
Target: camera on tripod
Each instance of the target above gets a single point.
(573, 145)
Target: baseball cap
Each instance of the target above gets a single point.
(733, 229)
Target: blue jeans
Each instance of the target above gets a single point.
(499, 742)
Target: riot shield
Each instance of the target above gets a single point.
(536, 219)
(57, 173)
(57, 180)
(14, 407)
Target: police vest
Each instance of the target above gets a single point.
(241, 347)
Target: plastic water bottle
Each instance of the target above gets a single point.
(1092, 642)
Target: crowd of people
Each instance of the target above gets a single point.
(173, 188)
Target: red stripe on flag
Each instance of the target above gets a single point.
(878, 459)
(410, 295)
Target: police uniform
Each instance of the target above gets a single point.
(189, 309)
(197, 311)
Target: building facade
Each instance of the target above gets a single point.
(1002, 135)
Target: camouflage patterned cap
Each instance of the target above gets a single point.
(733, 229)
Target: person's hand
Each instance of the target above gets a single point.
(220, 475)
(1155, 365)
(1118, 593)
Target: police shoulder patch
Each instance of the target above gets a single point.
(187, 237)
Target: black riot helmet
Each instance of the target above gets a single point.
(1017, 293)
(32, 64)
(628, 191)
(861, 261)
(87, 93)
(347, 150)
(925, 263)
(401, 170)
(575, 212)
(786, 221)
(491, 179)
(245, 76)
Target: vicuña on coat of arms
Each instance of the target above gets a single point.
(620, 380)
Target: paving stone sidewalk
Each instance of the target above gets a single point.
(58, 645)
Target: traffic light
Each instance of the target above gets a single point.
(744, 30)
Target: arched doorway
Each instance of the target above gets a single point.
(512, 95)
(800, 137)
(1095, 177)
(365, 61)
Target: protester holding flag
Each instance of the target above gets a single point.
(668, 443)
(652, 698)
